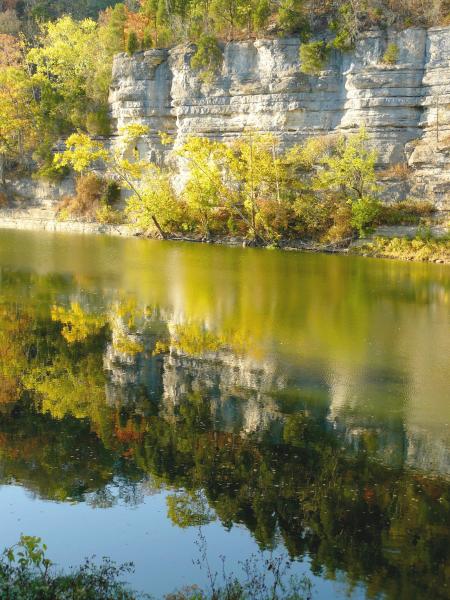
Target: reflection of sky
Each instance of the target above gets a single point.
(162, 552)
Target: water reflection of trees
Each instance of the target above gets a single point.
(168, 409)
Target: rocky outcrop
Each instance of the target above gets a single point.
(405, 107)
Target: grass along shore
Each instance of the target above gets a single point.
(436, 250)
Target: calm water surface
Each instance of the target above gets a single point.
(286, 403)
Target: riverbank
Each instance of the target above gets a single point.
(422, 250)
(399, 242)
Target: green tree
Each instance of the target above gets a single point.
(82, 153)
(156, 200)
(205, 190)
(69, 63)
(257, 173)
(261, 15)
(207, 58)
(112, 29)
(132, 43)
(291, 16)
(313, 57)
(350, 169)
(18, 118)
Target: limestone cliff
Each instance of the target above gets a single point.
(405, 107)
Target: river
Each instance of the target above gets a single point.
(160, 398)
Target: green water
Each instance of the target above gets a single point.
(281, 402)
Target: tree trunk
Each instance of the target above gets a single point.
(2, 170)
(158, 227)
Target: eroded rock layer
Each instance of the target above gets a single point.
(405, 107)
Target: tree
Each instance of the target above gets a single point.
(205, 190)
(313, 56)
(9, 22)
(156, 200)
(18, 118)
(207, 58)
(257, 173)
(291, 16)
(350, 169)
(82, 152)
(261, 14)
(112, 28)
(69, 65)
(132, 43)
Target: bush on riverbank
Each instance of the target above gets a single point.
(323, 190)
(426, 250)
(94, 199)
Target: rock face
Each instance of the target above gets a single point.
(405, 107)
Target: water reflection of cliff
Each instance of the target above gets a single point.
(104, 399)
(247, 395)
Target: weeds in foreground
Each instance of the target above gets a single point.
(263, 579)
(27, 574)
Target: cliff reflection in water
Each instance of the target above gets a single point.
(104, 399)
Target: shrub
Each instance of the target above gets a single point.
(390, 57)
(48, 170)
(112, 193)
(314, 216)
(274, 218)
(98, 123)
(90, 190)
(53, 173)
(108, 216)
(431, 250)
(27, 574)
(407, 212)
(207, 58)
(364, 213)
(342, 228)
(132, 43)
(313, 57)
(396, 171)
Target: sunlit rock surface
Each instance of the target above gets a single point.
(405, 107)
